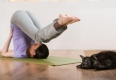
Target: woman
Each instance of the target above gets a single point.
(28, 35)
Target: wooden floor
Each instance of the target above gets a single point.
(12, 70)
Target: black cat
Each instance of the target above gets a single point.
(100, 61)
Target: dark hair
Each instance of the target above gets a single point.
(42, 52)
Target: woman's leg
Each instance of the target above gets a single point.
(35, 20)
(27, 25)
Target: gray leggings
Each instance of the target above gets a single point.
(31, 26)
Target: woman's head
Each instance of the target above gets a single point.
(39, 51)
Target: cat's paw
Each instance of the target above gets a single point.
(78, 66)
(96, 65)
(99, 66)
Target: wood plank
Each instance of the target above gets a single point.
(12, 70)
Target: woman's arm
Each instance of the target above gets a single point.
(5, 51)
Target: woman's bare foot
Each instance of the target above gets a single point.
(75, 19)
(65, 19)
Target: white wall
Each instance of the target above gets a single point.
(97, 29)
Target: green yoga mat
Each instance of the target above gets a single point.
(51, 60)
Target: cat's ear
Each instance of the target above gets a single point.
(82, 56)
(78, 66)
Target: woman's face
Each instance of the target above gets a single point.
(33, 48)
